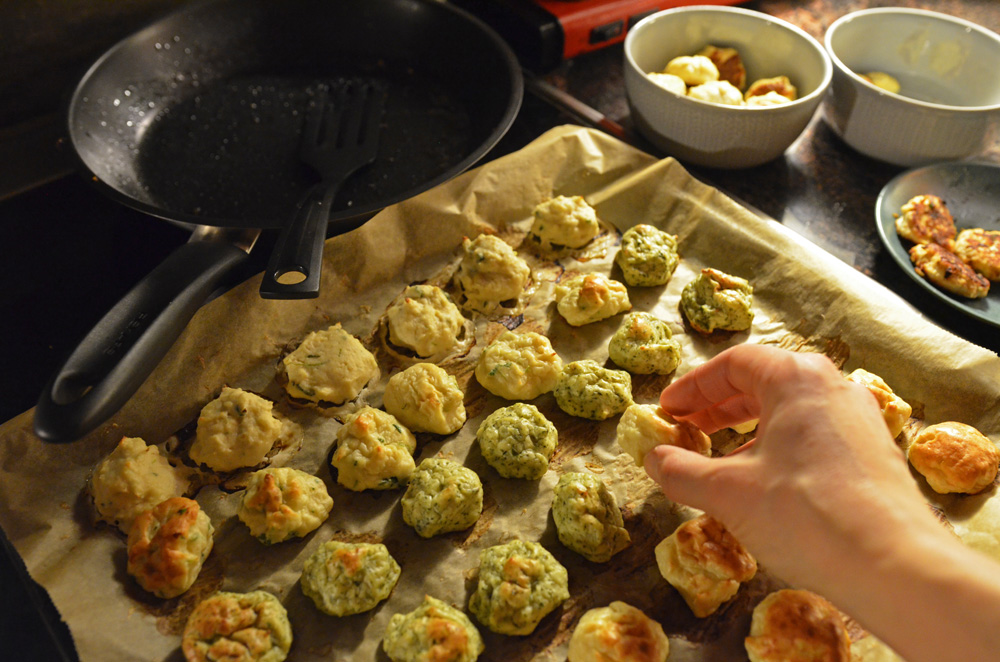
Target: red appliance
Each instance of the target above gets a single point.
(545, 32)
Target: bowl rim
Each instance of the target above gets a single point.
(894, 97)
(820, 90)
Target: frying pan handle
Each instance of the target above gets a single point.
(294, 267)
(114, 359)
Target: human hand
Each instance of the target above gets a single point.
(821, 486)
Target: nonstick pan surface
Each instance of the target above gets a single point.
(197, 118)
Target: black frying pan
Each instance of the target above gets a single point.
(197, 118)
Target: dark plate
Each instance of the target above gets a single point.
(972, 193)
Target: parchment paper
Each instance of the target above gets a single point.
(804, 299)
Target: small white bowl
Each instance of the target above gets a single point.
(715, 135)
(949, 100)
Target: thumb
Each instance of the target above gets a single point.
(681, 474)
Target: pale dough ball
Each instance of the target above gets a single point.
(442, 496)
(618, 633)
(349, 578)
(519, 366)
(717, 91)
(167, 546)
(424, 320)
(770, 98)
(797, 626)
(518, 441)
(693, 69)
(669, 82)
(587, 517)
(644, 345)
(329, 366)
(895, 410)
(425, 398)
(519, 583)
(648, 256)
(954, 457)
(133, 478)
(717, 300)
(644, 427)
(590, 298)
(564, 222)
(283, 503)
(705, 563)
(374, 451)
(588, 390)
(433, 632)
(490, 273)
(249, 627)
(235, 430)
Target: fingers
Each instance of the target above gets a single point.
(736, 385)
(682, 475)
(735, 410)
(726, 376)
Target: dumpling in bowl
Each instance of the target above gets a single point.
(717, 91)
(693, 69)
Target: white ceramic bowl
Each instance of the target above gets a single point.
(949, 100)
(710, 134)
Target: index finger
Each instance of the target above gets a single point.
(745, 376)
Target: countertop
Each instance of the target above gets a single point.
(69, 254)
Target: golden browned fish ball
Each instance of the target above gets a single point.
(644, 427)
(895, 410)
(980, 249)
(797, 626)
(955, 457)
(946, 270)
(925, 219)
(705, 563)
(618, 633)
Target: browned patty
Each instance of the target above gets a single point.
(980, 249)
(947, 271)
(925, 219)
